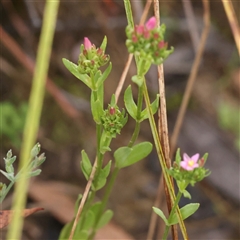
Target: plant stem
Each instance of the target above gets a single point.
(179, 195)
(33, 115)
(139, 110)
(105, 198)
(6, 191)
(161, 158)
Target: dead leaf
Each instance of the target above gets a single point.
(6, 215)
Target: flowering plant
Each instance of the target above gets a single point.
(147, 41)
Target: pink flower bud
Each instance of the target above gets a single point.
(151, 23)
(161, 44)
(112, 110)
(87, 43)
(139, 29)
(134, 38)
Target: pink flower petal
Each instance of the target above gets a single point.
(186, 157)
(87, 43)
(195, 157)
(184, 165)
(151, 23)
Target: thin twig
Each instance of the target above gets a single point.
(154, 217)
(233, 22)
(192, 25)
(123, 77)
(29, 64)
(163, 126)
(83, 200)
(191, 78)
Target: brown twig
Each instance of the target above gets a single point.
(191, 21)
(191, 78)
(29, 64)
(123, 77)
(154, 217)
(233, 22)
(163, 127)
(83, 200)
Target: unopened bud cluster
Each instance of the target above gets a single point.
(91, 58)
(113, 120)
(148, 41)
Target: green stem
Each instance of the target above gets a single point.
(6, 191)
(135, 134)
(33, 114)
(139, 110)
(105, 199)
(161, 158)
(179, 195)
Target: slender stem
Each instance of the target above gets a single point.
(232, 19)
(179, 195)
(6, 191)
(84, 198)
(161, 159)
(135, 134)
(33, 115)
(139, 110)
(163, 124)
(105, 199)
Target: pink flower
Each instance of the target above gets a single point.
(151, 23)
(87, 44)
(189, 163)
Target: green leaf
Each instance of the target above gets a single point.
(186, 211)
(77, 203)
(83, 235)
(73, 68)
(129, 103)
(154, 107)
(160, 213)
(86, 165)
(65, 232)
(113, 100)
(105, 218)
(178, 156)
(104, 44)
(35, 150)
(3, 188)
(95, 208)
(205, 157)
(96, 107)
(104, 76)
(138, 80)
(102, 177)
(182, 184)
(35, 173)
(9, 176)
(126, 156)
(186, 194)
(89, 220)
(143, 66)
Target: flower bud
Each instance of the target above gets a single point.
(87, 44)
(151, 23)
